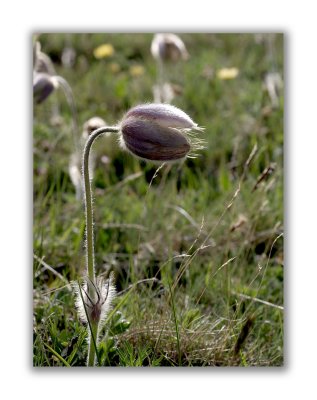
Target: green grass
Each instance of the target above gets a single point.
(198, 254)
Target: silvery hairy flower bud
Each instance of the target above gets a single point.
(41, 61)
(168, 47)
(74, 167)
(43, 86)
(91, 125)
(158, 132)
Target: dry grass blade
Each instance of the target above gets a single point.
(267, 303)
(49, 268)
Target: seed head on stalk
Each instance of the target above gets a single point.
(95, 300)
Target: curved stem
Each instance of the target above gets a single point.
(160, 78)
(88, 199)
(70, 99)
(90, 259)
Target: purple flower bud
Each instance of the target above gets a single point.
(43, 86)
(157, 132)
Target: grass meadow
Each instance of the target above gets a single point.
(196, 247)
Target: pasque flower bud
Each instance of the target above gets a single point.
(168, 47)
(41, 61)
(43, 86)
(157, 132)
(91, 125)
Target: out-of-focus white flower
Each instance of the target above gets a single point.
(41, 61)
(75, 161)
(92, 124)
(273, 83)
(68, 57)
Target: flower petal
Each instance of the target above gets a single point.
(147, 139)
(165, 115)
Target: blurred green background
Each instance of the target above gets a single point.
(198, 249)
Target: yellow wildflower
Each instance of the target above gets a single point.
(104, 50)
(136, 70)
(227, 73)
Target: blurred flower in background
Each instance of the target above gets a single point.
(136, 70)
(103, 51)
(273, 83)
(167, 49)
(227, 73)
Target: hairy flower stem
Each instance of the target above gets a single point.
(88, 200)
(70, 99)
(90, 233)
(92, 344)
(156, 132)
